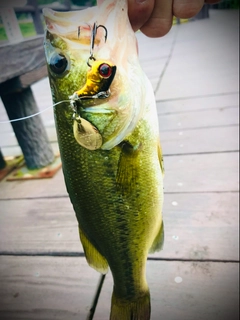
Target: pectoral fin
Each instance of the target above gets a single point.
(158, 241)
(94, 258)
(128, 167)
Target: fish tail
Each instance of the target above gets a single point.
(137, 309)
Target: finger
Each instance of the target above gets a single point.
(160, 21)
(187, 8)
(139, 12)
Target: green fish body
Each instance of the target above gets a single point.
(109, 146)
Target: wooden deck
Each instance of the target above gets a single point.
(43, 273)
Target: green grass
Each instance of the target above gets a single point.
(3, 35)
(27, 29)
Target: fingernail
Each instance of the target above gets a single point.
(140, 1)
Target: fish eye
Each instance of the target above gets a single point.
(105, 70)
(58, 63)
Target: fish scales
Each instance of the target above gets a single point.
(109, 145)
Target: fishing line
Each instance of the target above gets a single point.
(35, 114)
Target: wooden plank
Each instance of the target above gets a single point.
(198, 103)
(38, 226)
(46, 288)
(21, 57)
(198, 119)
(207, 291)
(222, 139)
(202, 172)
(34, 188)
(31, 77)
(199, 226)
(195, 173)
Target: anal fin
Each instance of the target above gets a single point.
(158, 241)
(94, 258)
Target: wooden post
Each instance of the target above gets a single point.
(36, 16)
(30, 133)
(10, 23)
(2, 161)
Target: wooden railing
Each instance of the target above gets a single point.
(19, 72)
(35, 10)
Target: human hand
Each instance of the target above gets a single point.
(154, 17)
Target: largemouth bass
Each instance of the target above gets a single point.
(109, 144)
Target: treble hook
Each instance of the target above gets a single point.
(94, 33)
(93, 36)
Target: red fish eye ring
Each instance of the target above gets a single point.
(105, 70)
